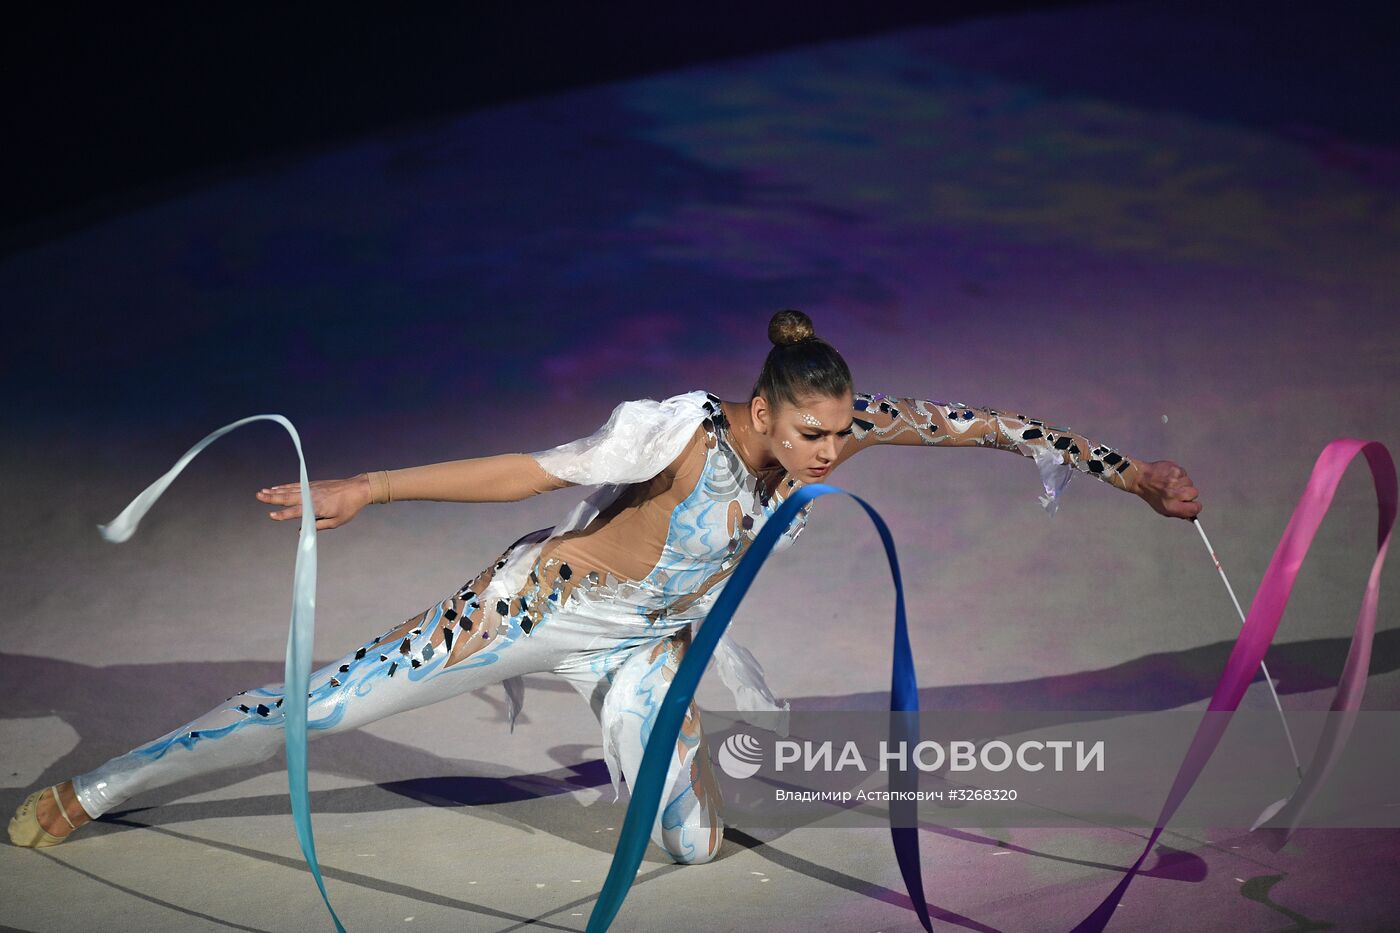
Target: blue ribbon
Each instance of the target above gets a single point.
(646, 796)
(651, 776)
(297, 672)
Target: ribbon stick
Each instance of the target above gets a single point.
(300, 636)
(1288, 733)
(651, 776)
(1258, 633)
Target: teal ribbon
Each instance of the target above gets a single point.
(651, 776)
(300, 637)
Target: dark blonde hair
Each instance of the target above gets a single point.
(800, 363)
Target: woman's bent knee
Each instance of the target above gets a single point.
(695, 844)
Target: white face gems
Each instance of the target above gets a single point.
(808, 419)
(787, 444)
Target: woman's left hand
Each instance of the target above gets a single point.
(1166, 487)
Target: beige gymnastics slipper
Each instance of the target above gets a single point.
(25, 829)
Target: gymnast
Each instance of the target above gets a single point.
(608, 598)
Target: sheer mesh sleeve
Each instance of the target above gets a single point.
(1057, 451)
(640, 439)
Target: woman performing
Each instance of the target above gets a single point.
(607, 599)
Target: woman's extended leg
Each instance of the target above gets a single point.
(458, 644)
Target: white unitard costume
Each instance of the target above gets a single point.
(605, 599)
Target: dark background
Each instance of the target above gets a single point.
(112, 108)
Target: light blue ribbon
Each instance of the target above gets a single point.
(651, 776)
(300, 637)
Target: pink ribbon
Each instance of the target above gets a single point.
(1258, 634)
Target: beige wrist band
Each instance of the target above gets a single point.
(379, 491)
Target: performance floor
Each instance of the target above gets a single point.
(1082, 215)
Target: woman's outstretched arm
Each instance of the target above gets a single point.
(887, 419)
(502, 478)
(638, 441)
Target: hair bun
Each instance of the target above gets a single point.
(788, 327)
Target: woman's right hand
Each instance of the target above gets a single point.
(336, 501)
